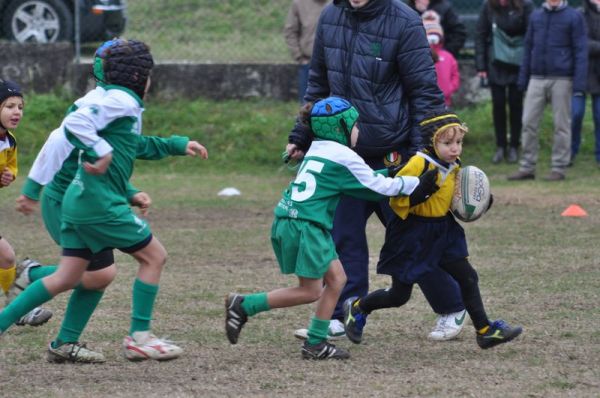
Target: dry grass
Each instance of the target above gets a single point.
(536, 268)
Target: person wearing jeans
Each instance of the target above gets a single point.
(554, 68)
(591, 14)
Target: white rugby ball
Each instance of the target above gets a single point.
(471, 194)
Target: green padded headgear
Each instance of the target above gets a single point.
(333, 119)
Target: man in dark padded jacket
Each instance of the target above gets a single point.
(375, 54)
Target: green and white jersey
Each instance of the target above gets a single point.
(57, 162)
(109, 124)
(329, 170)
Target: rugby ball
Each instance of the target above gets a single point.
(471, 194)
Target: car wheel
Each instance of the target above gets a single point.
(41, 21)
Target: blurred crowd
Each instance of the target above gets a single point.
(526, 56)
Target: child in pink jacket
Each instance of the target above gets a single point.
(446, 67)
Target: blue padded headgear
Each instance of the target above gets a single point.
(333, 119)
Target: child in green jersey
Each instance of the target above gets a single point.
(95, 209)
(300, 234)
(52, 171)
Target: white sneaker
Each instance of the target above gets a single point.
(448, 326)
(336, 331)
(36, 317)
(21, 278)
(74, 353)
(145, 345)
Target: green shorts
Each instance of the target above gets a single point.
(302, 247)
(121, 233)
(51, 214)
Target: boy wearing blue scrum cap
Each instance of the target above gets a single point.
(300, 233)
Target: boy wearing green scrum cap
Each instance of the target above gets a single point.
(300, 234)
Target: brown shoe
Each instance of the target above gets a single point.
(554, 176)
(521, 175)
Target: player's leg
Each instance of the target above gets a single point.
(316, 345)
(440, 290)
(356, 309)
(28, 270)
(489, 334)
(293, 258)
(84, 299)
(70, 270)
(7, 265)
(141, 343)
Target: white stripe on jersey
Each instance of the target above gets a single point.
(346, 157)
(51, 157)
(96, 113)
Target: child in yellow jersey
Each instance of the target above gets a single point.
(425, 236)
(11, 113)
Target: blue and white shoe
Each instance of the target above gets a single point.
(498, 333)
(354, 320)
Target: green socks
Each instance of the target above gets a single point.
(35, 295)
(318, 330)
(82, 304)
(144, 295)
(36, 273)
(255, 303)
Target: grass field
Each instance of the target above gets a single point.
(211, 31)
(536, 268)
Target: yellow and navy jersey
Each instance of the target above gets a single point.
(8, 153)
(439, 203)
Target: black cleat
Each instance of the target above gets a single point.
(235, 316)
(323, 350)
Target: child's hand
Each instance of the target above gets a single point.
(7, 177)
(194, 148)
(143, 201)
(100, 166)
(293, 152)
(425, 189)
(26, 205)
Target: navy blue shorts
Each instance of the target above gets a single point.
(418, 245)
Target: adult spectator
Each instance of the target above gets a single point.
(299, 32)
(375, 54)
(591, 13)
(454, 30)
(512, 17)
(554, 67)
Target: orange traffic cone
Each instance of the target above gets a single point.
(574, 211)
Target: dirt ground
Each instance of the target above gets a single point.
(536, 269)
